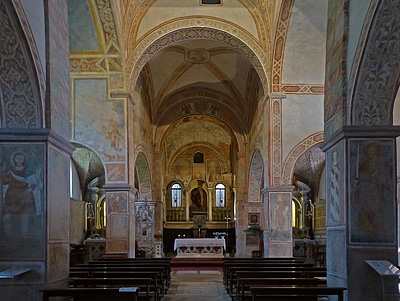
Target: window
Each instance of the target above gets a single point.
(220, 195)
(176, 195)
(198, 158)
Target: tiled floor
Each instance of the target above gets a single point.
(196, 285)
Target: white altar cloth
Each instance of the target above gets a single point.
(199, 247)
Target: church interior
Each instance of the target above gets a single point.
(130, 125)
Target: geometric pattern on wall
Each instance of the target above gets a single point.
(20, 102)
(379, 72)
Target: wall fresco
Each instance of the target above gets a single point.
(104, 132)
(334, 184)
(280, 215)
(372, 195)
(21, 201)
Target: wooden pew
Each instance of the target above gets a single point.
(154, 276)
(165, 265)
(233, 261)
(146, 286)
(277, 293)
(243, 284)
(231, 269)
(89, 269)
(92, 294)
(274, 273)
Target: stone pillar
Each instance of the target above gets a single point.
(120, 230)
(240, 199)
(187, 212)
(361, 221)
(278, 212)
(210, 201)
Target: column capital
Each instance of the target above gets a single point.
(277, 189)
(356, 131)
(118, 187)
(276, 96)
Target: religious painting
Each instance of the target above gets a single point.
(372, 200)
(280, 216)
(104, 132)
(21, 200)
(254, 219)
(213, 170)
(117, 203)
(183, 170)
(198, 171)
(334, 184)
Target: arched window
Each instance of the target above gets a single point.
(198, 157)
(176, 195)
(220, 196)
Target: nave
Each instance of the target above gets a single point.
(196, 285)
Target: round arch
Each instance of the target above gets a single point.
(295, 153)
(198, 28)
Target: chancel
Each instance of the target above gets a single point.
(130, 126)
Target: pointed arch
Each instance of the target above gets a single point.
(20, 100)
(143, 179)
(256, 177)
(378, 77)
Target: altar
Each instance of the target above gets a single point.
(199, 247)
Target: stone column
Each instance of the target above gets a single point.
(278, 212)
(187, 213)
(361, 221)
(120, 230)
(210, 201)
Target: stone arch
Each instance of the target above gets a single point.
(143, 180)
(21, 105)
(295, 153)
(198, 28)
(256, 177)
(378, 77)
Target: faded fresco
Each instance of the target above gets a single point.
(256, 177)
(104, 129)
(372, 204)
(183, 170)
(334, 184)
(21, 201)
(280, 208)
(213, 170)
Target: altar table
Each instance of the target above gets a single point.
(199, 247)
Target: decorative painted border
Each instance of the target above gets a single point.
(198, 28)
(296, 152)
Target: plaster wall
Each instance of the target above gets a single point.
(166, 10)
(357, 12)
(34, 11)
(299, 121)
(77, 221)
(304, 57)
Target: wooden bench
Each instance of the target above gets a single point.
(230, 272)
(244, 284)
(92, 294)
(154, 276)
(226, 263)
(165, 265)
(147, 287)
(109, 268)
(277, 293)
(273, 273)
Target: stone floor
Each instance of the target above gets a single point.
(196, 285)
